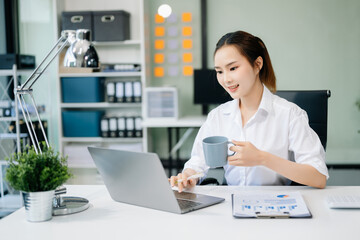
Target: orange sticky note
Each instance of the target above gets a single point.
(188, 70)
(186, 17)
(159, 31)
(159, 44)
(158, 71)
(159, 58)
(187, 43)
(159, 19)
(187, 57)
(186, 31)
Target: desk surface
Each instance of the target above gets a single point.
(107, 219)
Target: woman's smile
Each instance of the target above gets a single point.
(233, 88)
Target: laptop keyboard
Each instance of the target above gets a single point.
(185, 204)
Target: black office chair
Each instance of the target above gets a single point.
(314, 102)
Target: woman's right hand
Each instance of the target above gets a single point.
(181, 180)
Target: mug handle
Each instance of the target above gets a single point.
(233, 145)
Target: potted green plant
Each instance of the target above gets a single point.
(37, 176)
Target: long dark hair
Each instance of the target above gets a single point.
(251, 47)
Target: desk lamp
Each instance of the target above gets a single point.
(80, 53)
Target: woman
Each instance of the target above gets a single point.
(267, 131)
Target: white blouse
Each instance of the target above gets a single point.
(278, 127)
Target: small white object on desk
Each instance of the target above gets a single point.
(343, 201)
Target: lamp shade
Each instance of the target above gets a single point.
(81, 52)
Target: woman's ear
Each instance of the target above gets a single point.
(259, 64)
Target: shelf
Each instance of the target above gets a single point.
(117, 43)
(100, 140)
(9, 72)
(12, 135)
(102, 74)
(100, 105)
(7, 119)
(186, 121)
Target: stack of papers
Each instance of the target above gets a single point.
(269, 205)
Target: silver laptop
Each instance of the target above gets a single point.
(139, 179)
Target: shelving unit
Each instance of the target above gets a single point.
(102, 105)
(9, 142)
(129, 51)
(5, 121)
(102, 74)
(101, 140)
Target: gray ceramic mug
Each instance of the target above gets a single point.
(216, 151)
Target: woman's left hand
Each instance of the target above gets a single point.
(246, 155)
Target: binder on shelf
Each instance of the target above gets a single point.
(120, 67)
(104, 127)
(129, 93)
(130, 127)
(138, 127)
(119, 92)
(137, 91)
(121, 126)
(113, 127)
(110, 91)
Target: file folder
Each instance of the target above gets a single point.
(258, 204)
(130, 128)
(121, 125)
(138, 127)
(129, 93)
(113, 127)
(120, 92)
(110, 91)
(104, 127)
(137, 91)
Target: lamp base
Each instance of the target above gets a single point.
(70, 205)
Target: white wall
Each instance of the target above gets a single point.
(313, 45)
(37, 37)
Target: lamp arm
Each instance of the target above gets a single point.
(26, 89)
(38, 71)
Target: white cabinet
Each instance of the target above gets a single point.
(129, 51)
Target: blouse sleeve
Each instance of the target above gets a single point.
(305, 143)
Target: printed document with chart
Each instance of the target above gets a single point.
(252, 204)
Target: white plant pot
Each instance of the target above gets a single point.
(38, 205)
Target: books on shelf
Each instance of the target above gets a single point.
(121, 67)
(121, 126)
(123, 91)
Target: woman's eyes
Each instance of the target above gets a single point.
(231, 69)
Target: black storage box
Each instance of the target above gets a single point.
(76, 20)
(111, 25)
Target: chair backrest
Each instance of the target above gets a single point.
(315, 103)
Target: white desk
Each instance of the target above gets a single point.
(107, 219)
